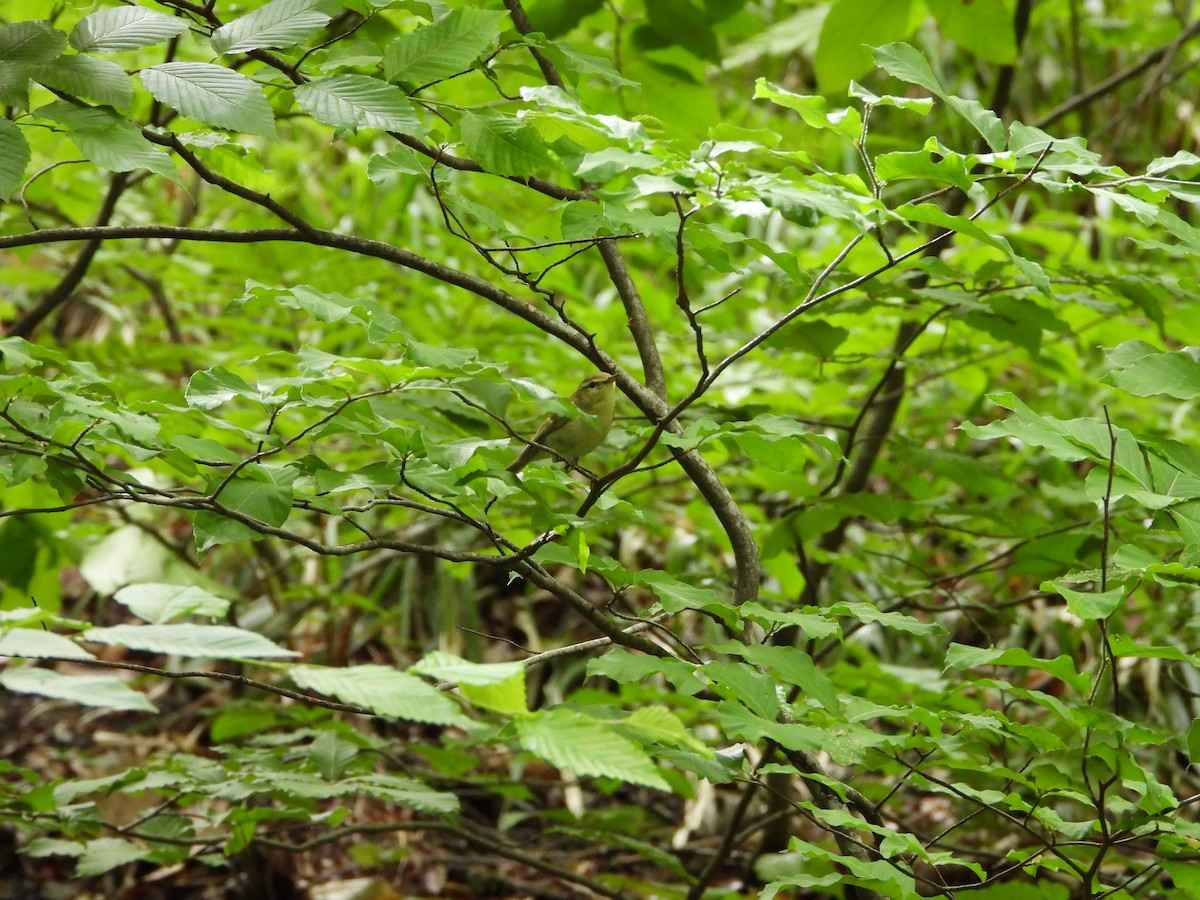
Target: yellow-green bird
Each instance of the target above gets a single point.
(574, 438)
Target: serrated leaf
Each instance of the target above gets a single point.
(31, 42)
(279, 24)
(37, 644)
(358, 101)
(587, 746)
(211, 94)
(124, 28)
(444, 48)
(745, 684)
(158, 603)
(100, 691)
(676, 595)
(85, 76)
(382, 689)
(109, 139)
(105, 854)
(200, 641)
(331, 755)
(448, 667)
(14, 84)
(14, 157)
(504, 145)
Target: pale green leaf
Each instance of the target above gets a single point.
(814, 110)
(109, 139)
(448, 667)
(504, 145)
(31, 42)
(36, 644)
(200, 641)
(211, 94)
(14, 157)
(358, 101)
(124, 28)
(104, 854)
(278, 24)
(587, 746)
(1087, 605)
(100, 691)
(85, 76)
(382, 689)
(160, 603)
(444, 48)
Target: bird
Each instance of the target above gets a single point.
(572, 438)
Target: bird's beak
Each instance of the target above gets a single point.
(610, 379)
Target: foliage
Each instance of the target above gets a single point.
(893, 547)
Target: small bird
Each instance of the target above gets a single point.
(572, 438)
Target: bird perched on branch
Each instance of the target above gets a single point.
(571, 438)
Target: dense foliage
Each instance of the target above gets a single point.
(883, 584)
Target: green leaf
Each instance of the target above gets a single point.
(159, 603)
(358, 101)
(791, 666)
(747, 685)
(922, 164)
(739, 722)
(201, 641)
(209, 388)
(263, 493)
(960, 656)
(985, 27)
(211, 94)
(31, 42)
(812, 109)
(383, 690)
(278, 24)
(85, 76)
(14, 84)
(124, 28)
(814, 623)
(100, 691)
(105, 854)
(34, 643)
(331, 755)
(685, 24)
(444, 48)
(504, 145)
(1087, 605)
(676, 595)
(587, 746)
(14, 158)
(903, 62)
(849, 29)
(1145, 371)
(556, 17)
(448, 667)
(109, 139)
